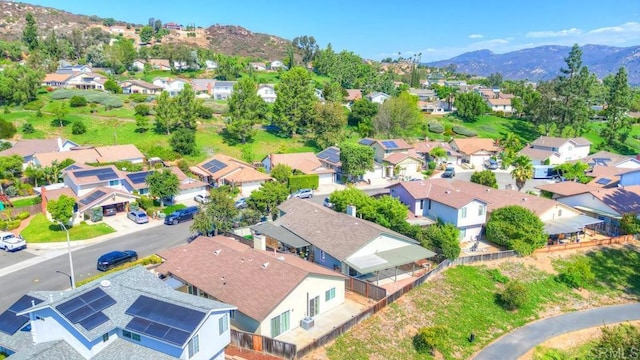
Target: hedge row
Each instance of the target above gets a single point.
(461, 130)
(99, 97)
(436, 127)
(297, 182)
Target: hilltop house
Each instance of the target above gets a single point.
(276, 65)
(378, 97)
(86, 81)
(173, 87)
(267, 92)
(91, 154)
(222, 90)
(475, 151)
(203, 86)
(502, 105)
(140, 87)
(224, 269)
(225, 170)
(307, 163)
(27, 148)
(130, 314)
(396, 157)
(547, 150)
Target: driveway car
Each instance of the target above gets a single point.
(241, 203)
(449, 172)
(112, 259)
(491, 164)
(327, 203)
(303, 194)
(109, 210)
(138, 216)
(10, 242)
(202, 199)
(181, 215)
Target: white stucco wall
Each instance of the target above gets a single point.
(587, 200)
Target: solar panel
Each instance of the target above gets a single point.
(157, 330)
(139, 178)
(177, 337)
(138, 324)
(366, 141)
(603, 181)
(331, 155)
(10, 322)
(390, 144)
(24, 302)
(107, 175)
(102, 174)
(92, 295)
(70, 306)
(81, 313)
(94, 320)
(165, 313)
(214, 166)
(93, 197)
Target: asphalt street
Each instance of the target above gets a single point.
(43, 276)
(521, 340)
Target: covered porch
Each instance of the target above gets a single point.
(388, 266)
(574, 229)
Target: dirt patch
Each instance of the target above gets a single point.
(572, 340)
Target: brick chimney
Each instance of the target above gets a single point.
(43, 203)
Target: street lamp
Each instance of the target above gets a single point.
(71, 277)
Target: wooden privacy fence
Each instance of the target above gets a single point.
(31, 209)
(243, 240)
(263, 344)
(364, 288)
(484, 257)
(583, 244)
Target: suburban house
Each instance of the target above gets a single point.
(26, 148)
(130, 314)
(378, 97)
(135, 182)
(210, 64)
(503, 105)
(424, 94)
(423, 149)
(475, 151)
(274, 292)
(276, 65)
(352, 96)
(468, 205)
(225, 170)
(306, 163)
(395, 156)
(172, 26)
(173, 87)
(203, 86)
(140, 87)
(267, 92)
(343, 242)
(91, 154)
(547, 150)
(258, 66)
(222, 90)
(155, 64)
(73, 69)
(56, 80)
(605, 158)
(86, 81)
(330, 159)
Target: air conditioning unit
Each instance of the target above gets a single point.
(306, 323)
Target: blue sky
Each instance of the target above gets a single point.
(376, 29)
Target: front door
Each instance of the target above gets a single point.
(314, 306)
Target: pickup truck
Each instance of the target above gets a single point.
(10, 242)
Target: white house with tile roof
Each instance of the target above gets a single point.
(556, 150)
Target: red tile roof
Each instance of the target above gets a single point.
(474, 145)
(550, 141)
(306, 162)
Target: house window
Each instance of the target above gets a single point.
(322, 254)
(429, 204)
(223, 324)
(193, 290)
(463, 233)
(421, 204)
(280, 324)
(330, 294)
(114, 182)
(559, 212)
(314, 306)
(232, 314)
(480, 210)
(130, 335)
(194, 345)
(105, 337)
(463, 213)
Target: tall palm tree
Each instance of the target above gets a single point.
(522, 171)
(512, 141)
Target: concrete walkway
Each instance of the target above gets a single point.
(521, 340)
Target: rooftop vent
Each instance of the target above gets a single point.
(217, 252)
(281, 258)
(265, 265)
(447, 192)
(105, 283)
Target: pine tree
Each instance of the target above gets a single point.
(30, 32)
(618, 102)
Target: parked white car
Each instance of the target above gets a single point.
(202, 199)
(10, 242)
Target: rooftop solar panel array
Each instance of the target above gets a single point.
(214, 166)
(93, 197)
(366, 141)
(10, 323)
(101, 174)
(161, 320)
(390, 144)
(139, 177)
(86, 309)
(603, 181)
(331, 155)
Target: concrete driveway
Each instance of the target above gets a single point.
(503, 177)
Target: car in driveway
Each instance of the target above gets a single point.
(11, 242)
(181, 215)
(138, 217)
(491, 164)
(303, 194)
(327, 203)
(241, 203)
(109, 210)
(449, 172)
(202, 199)
(115, 258)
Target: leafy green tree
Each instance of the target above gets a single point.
(142, 109)
(142, 123)
(246, 109)
(629, 224)
(390, 213)
(30, 32)
(290, 60)
(10, 166)
(61, 210)
(574, 171)
(523, 171)
(35, 173)
(512, 141)
(112, 87)
(365, 204)
(516, 228)
(146, 34)
(247, 155)
(470, 105)
(577, 272)
(165, 113)
(485, 177)
(328, 124)
(542, 108)
(618, 103)
(618, 342)
(514, 295)
(334, 93)
(121, 55)
(183, 141)
(51, 47)
(437, 153)
(217, 216)
(398, 116)
(162, 184)
(229, 67)
(293, 109)
(281, 173)
(356, 160)
(308, 46)
(108, 21)
(7, 129)
(78, 128)
(445, 237)
(59, 110)
(362, 111)
(19, 84)
(267, 198)
(186, 106)
(495, 80)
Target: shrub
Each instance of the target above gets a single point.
(142, 109)
(461, 130)
(205, 112)
(576, 273)
(77, 101)
(428, 339)
(34, 105)
(448, 129)
(514, 295)
(112, 87)
(138, 98)
(78, 128)
(162, 152)
(7, 129)
(498, 276)
(145, 202)
(436, 127)
(39, 113)
(27, 128)
(297, 182)
(23, 215)
(13, 224)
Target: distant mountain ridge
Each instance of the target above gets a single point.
(544, 62)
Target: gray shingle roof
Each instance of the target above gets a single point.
(278, 232)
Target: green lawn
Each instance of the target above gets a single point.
(151, 259)
(464, 301)
(41, 230)
(26, 201)
(583, 351)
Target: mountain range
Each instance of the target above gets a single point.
(544, 62)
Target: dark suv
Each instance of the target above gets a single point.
(112, 259)
(181, 215)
